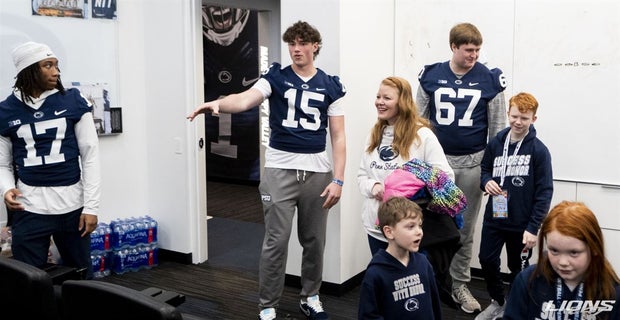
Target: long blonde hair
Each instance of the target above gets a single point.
(407, 123)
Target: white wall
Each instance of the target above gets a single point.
(158, 62)
(168, 61)
(148, 57)
(367, 57)
(575, 82)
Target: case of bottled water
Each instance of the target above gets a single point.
(128, 244)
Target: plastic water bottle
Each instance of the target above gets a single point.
(153, 259)
(125, 239)
(117, 234)
(100, 265)
(95, 240)
(5, 241)
(119, 261)
(142, 257)
(133, 259)
(131, 231)
(140, 230)
(107, 241)
(100, 238)
(151, 230)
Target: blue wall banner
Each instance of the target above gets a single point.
(231, 65)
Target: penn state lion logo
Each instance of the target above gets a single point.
(518, 181)
(412, 304)
(387, 153)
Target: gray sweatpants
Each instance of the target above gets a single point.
(468, 180)
(282, 191)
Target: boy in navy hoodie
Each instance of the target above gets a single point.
(399, 282)
(516, 173)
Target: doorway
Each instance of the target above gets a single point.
(232, 48)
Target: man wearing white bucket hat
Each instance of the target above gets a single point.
(49, 162)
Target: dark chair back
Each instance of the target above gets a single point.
(98, 300)
(27, 291)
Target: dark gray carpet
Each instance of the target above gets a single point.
(234, 244)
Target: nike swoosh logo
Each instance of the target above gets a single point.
(49, 54)
(57, 113)
(471, 84)
(246, 83)
(320, 89)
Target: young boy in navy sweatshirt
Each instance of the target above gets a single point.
(399, 282)
(516, 173)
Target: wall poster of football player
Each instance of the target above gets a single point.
(231, 65)
(60, 8)
(104, 9)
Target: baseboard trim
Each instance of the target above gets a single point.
(330, 288)
(175, 256)
(477, 273)
(335, 289)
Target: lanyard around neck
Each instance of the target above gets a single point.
(505, 156)
(558, 299)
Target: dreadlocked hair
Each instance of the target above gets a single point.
(27, 82)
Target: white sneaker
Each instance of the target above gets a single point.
(463, 296)
(267, 314)
(492, 312)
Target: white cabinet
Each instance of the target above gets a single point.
(604, 201)
(612, 238)
(563, 190)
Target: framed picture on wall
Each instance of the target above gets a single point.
(63, 9)
(107, 119)
(116, 120)
(104, 9)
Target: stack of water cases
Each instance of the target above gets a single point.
(101, 249)
(134, 244)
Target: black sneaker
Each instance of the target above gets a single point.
(313, 309)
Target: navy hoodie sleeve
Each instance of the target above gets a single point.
(517, 302)
(544, 187)
(434, 294)
(486, 166)
(369, 293)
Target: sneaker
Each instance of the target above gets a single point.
(313, 309)
(267, 314)
(492, 312)
(462, 296)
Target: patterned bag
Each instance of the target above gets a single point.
(446, 197)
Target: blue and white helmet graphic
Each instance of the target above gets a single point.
(223, 25)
